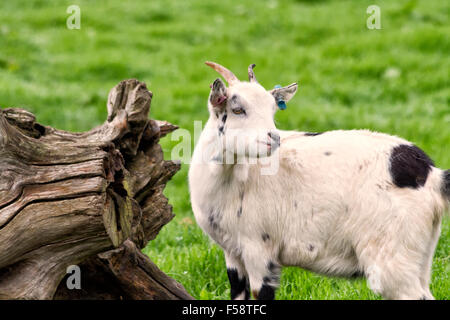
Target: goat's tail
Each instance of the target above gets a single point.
(446, 184)
(445, 188)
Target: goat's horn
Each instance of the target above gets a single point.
(227, 74)
(251, 74)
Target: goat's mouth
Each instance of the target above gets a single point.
(270, 147)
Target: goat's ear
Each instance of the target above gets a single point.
(285, 93)
(218, 95)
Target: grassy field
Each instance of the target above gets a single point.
(394, 80)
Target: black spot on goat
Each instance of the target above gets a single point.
(214, 219)
(266, 292)
(241, 196)
(238, 285)
(222, 125)
(409, 166)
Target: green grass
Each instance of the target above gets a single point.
(394, 80)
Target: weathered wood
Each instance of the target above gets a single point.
(72, 198)
(128, 269)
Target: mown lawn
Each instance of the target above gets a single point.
(394, 80)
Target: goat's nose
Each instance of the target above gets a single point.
(274, 136)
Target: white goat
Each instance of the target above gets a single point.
(341, 203)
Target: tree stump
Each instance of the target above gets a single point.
(90, 199)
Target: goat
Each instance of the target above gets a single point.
(341, 203)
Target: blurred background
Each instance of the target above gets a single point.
(394, 79)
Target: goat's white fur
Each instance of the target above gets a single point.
(331, 207)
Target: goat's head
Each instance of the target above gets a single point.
(244, 112)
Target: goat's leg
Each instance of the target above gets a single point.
(237, 276)
(425, 277)
(263, 271)
(395, 280)
(396, 274)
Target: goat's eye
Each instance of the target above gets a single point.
(238, 111)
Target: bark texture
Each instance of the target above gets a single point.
(91, 199)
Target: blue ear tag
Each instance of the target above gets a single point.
(281, 103)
